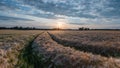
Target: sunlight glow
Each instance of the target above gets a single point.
(59, 25)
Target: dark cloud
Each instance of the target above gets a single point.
(8, 5)
(6, 18)
(112, 9)
(75, 8)
(84, 8)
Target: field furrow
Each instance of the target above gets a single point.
(28, 59)
(58, 56)
(12, 42)
(104, 44)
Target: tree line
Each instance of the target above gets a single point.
(20, 28)
(34, 28)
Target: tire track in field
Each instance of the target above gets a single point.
(32, 60)
(98, 50)
(28, 58)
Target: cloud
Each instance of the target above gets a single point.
(78, 8)
(9, 5)
(75, 8)
(75, 12)
(6, 18)
(78, 23)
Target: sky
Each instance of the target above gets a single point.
(66, 13)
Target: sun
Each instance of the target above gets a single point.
(59, 25)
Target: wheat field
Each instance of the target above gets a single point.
(59, 49)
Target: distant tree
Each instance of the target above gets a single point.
(86, 29)
(83, 28)
(3, 27)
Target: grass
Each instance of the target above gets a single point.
(23, 50)
(29, 59)
(66, 57)
(106, 51)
